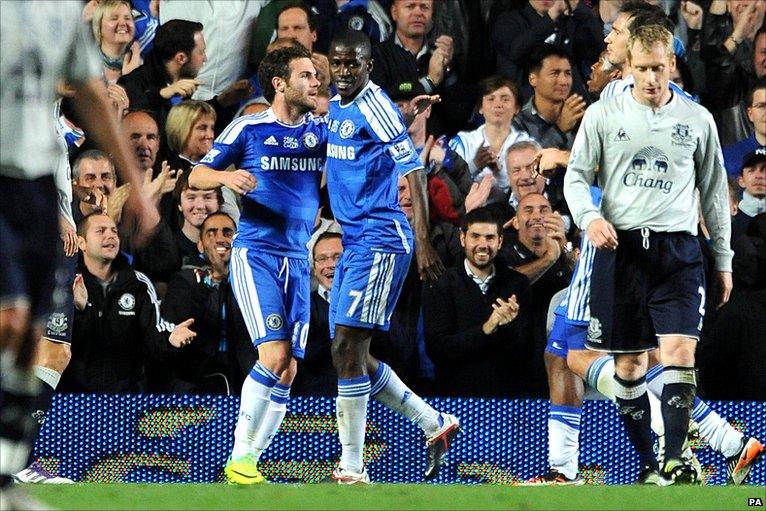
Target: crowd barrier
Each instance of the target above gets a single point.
(152, 438)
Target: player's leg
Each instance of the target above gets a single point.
(679, 389)
(262, 307)
(566, 394)
(29, 233)
(741, 452)
(350, 348)
(439, 428)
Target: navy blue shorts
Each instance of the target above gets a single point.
(58, 327)
(650, 286)
(566, 335)
(29, 235)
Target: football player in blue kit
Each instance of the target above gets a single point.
(279, 155)
(367, 150)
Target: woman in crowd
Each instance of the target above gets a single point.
(486, 147)
(114, 30)
(190, 132)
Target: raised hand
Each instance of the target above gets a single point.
(571, 113)
(185, 87)
(479, 193)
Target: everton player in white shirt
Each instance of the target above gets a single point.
(653, 148)
(368, 149)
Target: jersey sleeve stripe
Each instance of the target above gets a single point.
(374, 119)
(389, 113)
(233, 130)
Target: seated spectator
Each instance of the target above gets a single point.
(733, 44)
(316, 375)
(95, 186)
(517, 34)
(551, 114)
(193, 207)
(756, 113)
(114, 30)
(295, 20)
(540, 254)
(190, 132)
(468, 317)
(753, 202)
(736, 344)
(334, 16)
(601, 73)
(485, 149)
(146, 18)
(524, 164)
(169, 76)
(415, 54)
(221, 355)
(117, 326)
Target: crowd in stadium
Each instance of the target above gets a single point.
(153, 310)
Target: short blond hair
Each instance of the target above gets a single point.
(181, 120)
(104, 8)
(648, 36)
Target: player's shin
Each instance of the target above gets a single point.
(564, 439)
(256, 397)
(351, 413)
(633, 405)
(275, 414)
(677, 402)
(388, 389)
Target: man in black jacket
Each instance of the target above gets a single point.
(469, 313)
(117, 323)
(221, 355)
(169, 74)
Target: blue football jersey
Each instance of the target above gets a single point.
(277, 217)
(367, 150)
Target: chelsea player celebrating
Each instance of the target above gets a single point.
(282, 151)
(368, 149)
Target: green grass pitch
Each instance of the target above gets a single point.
(391, 496)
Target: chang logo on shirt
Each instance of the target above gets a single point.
(310, 140)
(648, 169)
(341, 152)
(347, 128)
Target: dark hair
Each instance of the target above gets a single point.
(686, 75)
(182, 185)
(325, 236)
(543, 52)
(353, 39)
(277, 63)
(217, 213)
(82, 227)
(759, 84)
(174, 36)
(643, 13)
(492, 83)
(297, 4)
(482, 215)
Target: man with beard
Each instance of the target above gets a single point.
(469, 313)
(217, 361)
(169, 75)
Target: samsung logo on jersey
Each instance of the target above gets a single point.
(341, 152)
(287, 163)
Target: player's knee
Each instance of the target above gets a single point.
(14, 325)
(630, 368)
(678, 353)
(346, 356)
(287, 376)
